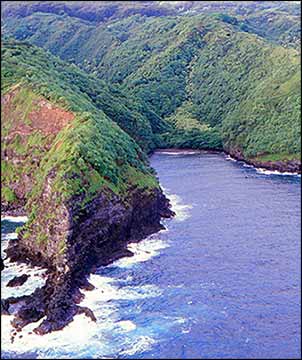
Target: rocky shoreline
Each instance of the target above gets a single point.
(291, 166)
(98, 238)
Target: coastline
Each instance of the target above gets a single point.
(71, 279)
(291, 166)
(91, 245)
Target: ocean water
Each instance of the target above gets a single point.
(222, 281)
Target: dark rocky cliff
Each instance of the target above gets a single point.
(97, 237)
(84, 183)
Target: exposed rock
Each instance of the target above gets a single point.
(15, 208)
(293, 166)
(11, 305)
(87, 286)
(18, 280)
(98, 236)
(89, 313)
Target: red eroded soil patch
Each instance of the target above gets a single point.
(20, 118)
(46, 117)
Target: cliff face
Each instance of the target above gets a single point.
(97, 237)
(84, 183)
(79, 218)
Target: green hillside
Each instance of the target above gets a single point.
(84, 183)
(63, 133)
(208, 76)
(84, 93)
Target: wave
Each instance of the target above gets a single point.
(142, 251)
(230, 158)
(35, 280)
(9, 236)
(14, 218)
(4, 242)
(108, 289)
(126, 325)
(263, 170)
(276, 172)
(57, 344)
(184, 152)
(141, 344)
(12, 269)
(94, 338)
(247, 165)
(182, 211)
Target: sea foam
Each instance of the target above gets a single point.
(182, 211)
(180, 152)
(230, 158)
(14, 218)
(143, 251)
(276, 172)
(95, 338)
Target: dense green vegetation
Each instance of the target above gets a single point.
(68, 85)
(187, 79)
(275, 20)
(88, 155)
(129, 84)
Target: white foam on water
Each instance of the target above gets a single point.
(276, 172)
(107, 289)
(247, 165)
(230, 158)
(139, 345)
(73, 339)
(126, 325)
(9, 236)
(14, 218)
(184, 152)
(34, 281)
(180, 320)
(142, 251)
(5, 240)
(182, 211)
(265, 171)
(12, 269)
(83, 338)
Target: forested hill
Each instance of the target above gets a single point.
(210, 70)
(67, 163)
(275, 20)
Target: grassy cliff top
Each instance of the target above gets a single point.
(63, 130)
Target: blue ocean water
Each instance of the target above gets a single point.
(222, 281)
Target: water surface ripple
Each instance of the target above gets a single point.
(223, 281)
